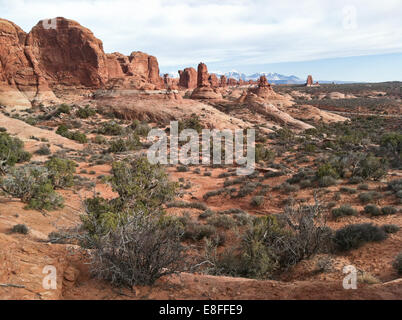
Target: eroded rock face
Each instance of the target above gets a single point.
(170, 83)
(147, 67)
(65, 56)
(232, 82)
(118, 65)
(188, 78)
(21, 80)
(202, 76)
(213, 81)
(204, 89)
(68, 55)
(223, 81)
(309, 81)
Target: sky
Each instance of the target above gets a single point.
(353, 40)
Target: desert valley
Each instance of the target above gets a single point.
(78, 194)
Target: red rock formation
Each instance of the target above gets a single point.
(204, 90)
(147, 67)
(118, 65)
(213, 80)
(263, 91)
(202, 75)
(21, 81)
(170, 83)
(310, 81)
(68, 54)
(232, 82)
(263, 82)
(188, 78)
(223, 81)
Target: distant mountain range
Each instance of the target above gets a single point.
(272, 77)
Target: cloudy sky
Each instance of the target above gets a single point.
(333, 40)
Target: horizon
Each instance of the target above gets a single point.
(356, 41)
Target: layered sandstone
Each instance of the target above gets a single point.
(68, 54)
(20, 79)
(63, 55)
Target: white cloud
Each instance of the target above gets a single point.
(230, 32)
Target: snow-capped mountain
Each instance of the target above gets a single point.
(271, 77)
(274, 78)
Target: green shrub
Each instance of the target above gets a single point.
(140, 128)
(11, 151)
(193, 122)
(246, 189)
(132, 142)
(390, 228)
(197, 232)
(62, 130)
(257, 201)
(263, 154)
(20, 228)
(85, 113)
(371, 167)
(99, 140)
(372, 209)
(63, 108)
(182, 169)
(397, 264)
(33, 186)
(326, 181)
(221, 221)
(141, 187)
(138, 251)
(44, 198)
(355, 235)
(61, 172)
(111, 129)
(388, 210)
(348, 190)
(206, 214)
(344, 210)
(356, 180)
(326, 170)
(182, 204)
(369, 196)
(77, 136)
(270, 246)
(363, 186)
(391, 143)
(395, 185)
(306, 184)
(43, 150)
